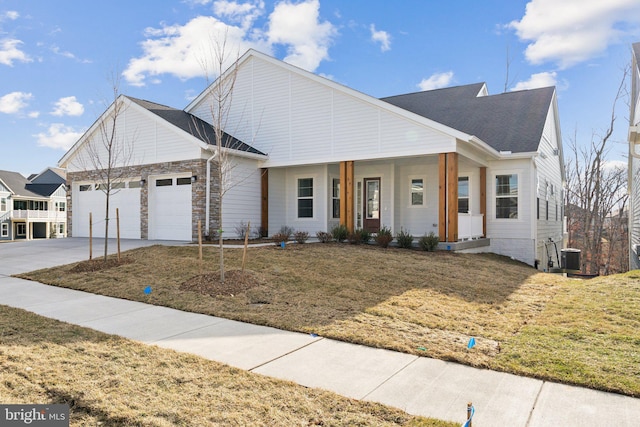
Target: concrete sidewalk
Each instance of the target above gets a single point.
(417, 385)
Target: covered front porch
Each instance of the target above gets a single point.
(444, 194)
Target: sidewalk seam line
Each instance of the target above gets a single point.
(285, 354)
(391, 376)
(535, 403)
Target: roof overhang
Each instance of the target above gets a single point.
(237, 153)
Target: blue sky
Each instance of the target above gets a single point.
(56, 57)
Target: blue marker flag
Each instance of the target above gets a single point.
(472, 412)
(472, 342)
(147, 290)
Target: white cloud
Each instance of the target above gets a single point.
(10, 14)
(436, 81)
(381, 37)
(183, 50)
(538, 80)
(243, 13)
(568, 32)
(9, 52)
(34, 114)
(68, 106)
(14, 102)
(297, 25)
(58, 136)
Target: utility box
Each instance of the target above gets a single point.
(570, 259)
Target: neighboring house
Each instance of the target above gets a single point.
(33, 209)
(634, 161)
(483, 170)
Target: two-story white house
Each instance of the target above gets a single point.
(33, 209)
(466, 165)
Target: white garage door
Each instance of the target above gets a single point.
(170, 208)
(88, 198)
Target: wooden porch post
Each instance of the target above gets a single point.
(483, 199)
(442, 197)
(452, 197)
(346, 195)
(264, 193)
(448, 197)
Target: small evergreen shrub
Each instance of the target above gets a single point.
(429, 242)
(365, 236)
(340, 232)
(384, 237)
(405, 239)
(324, 237)
(301, 236)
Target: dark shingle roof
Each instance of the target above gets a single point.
(511, 121)
(22, 187)
(193, 125)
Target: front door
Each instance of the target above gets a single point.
(371, 209)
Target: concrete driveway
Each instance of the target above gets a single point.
(22, 256)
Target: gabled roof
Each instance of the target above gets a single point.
(512, 121)
(21, 187)
(193, 125)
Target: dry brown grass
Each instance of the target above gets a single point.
(421, 303)
(111, 381)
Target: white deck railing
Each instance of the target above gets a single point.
(469, 226)
(46, 215)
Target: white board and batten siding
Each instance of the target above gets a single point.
(549, 191)
(298, 119)
(243, 198)
(512, 237)
(147, 140)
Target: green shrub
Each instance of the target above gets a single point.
(365, 236)
(405, 239)
(384, 237)
(324, 237)
(429, 242)
(340, 232)
(301, 236)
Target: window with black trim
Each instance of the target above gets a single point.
(183, 181)
(335, 197)
(305, 198)
(417, 192)
(165, 182)
(463, 194)
(507, 196)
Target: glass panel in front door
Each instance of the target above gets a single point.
(373, 201)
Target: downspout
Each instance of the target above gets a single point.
(208, 190)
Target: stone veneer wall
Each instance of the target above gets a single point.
(196, 167)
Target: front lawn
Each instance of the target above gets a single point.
(112, 381)
(430, 304)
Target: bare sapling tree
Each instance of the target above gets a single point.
(109, 153)
(595, 190)
(219, 104)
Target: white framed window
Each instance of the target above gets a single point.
(506, 196)
(61, 229)
(4, 230)
(61, 206)
(417, 189)
(305, 197)
(335, 198)
(463, 194)
(359, 205)
(85, 187)
(3, 204)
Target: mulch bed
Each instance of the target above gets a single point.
(235, 282)
(99, 264)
